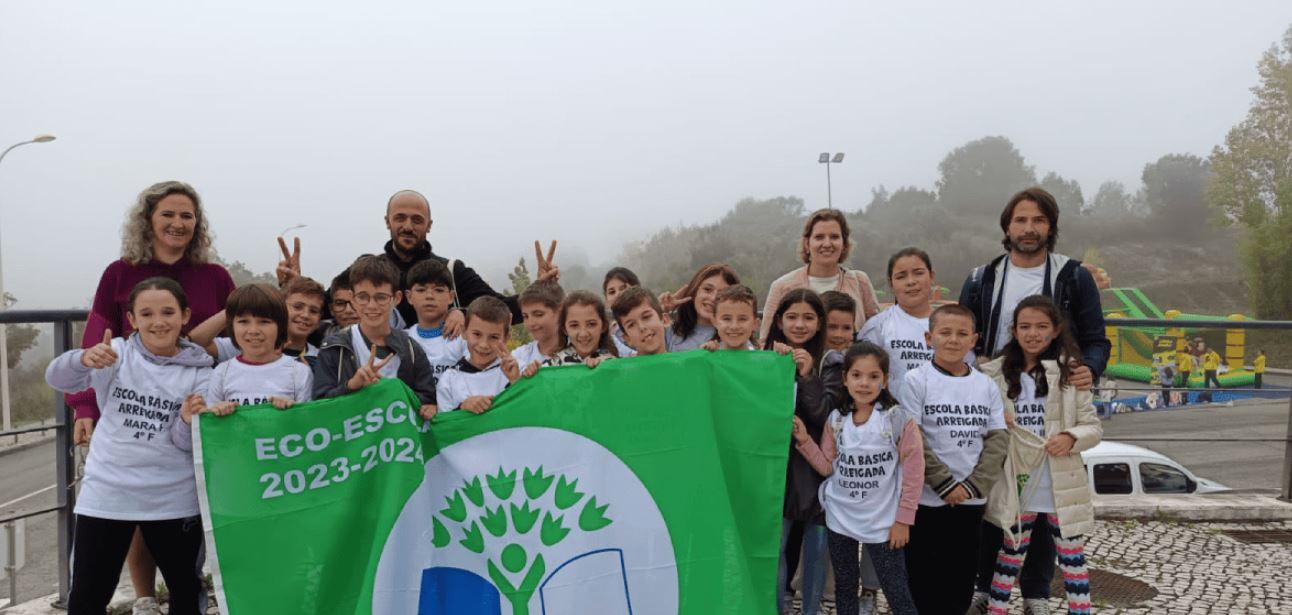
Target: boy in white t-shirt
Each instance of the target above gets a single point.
(430, 293)
(962, 418)
(488, 368)
(540, 305)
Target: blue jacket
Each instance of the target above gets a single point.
(1071, 287)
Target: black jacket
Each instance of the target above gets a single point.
(815, 397)
(337, 363)
(467, 283)
(1073, 290)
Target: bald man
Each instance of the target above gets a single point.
(408, 218)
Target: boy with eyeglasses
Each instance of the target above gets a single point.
(361, 354)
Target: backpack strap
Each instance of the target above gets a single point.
(453, 263)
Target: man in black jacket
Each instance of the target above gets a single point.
(1030, 222)
(408, 217)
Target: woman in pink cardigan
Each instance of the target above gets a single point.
(825, 245)
(165, 234)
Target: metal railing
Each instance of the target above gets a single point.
(1285, 486)
(65, 467)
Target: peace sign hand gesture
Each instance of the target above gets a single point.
(547, 270)
(669, 301)
(100, 355)
(370, 372)
(290, 266)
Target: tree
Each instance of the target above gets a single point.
(1175, 192)
(19, 338)
(1252, 184)
(514, 522)
(980, 176)
(1113, 200)
(1066, 191)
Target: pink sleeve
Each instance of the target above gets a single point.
(911, 452)
(774, 294)
(821, 458)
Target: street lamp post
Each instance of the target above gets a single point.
(7, 420)
(827, 160)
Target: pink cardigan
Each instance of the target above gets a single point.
(854, 283)
(910, 451)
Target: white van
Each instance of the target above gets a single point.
(1123, 469)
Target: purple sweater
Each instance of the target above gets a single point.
(207, 286)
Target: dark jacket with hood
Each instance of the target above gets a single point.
(467, 284)
(1071, 287)
(337, 363)
(816, 395)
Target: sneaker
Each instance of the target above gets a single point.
(146, 606)
(1036, 606)
(866, 604)
(979, 604)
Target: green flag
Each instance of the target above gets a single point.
(649, 485)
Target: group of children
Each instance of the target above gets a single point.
(898, 444)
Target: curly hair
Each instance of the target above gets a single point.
(137, 231)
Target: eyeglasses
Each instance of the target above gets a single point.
(380, 298)
(341, 304)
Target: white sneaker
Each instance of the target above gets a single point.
(146, 606)
(979, 604)
(1036, 606)
(866, 604)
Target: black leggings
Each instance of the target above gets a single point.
(99, 549)
(890, 566)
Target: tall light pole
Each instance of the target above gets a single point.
(6, 421)
(825, 158)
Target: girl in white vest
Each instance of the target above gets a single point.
(1050, 423)
(139, 472)
(873, 456)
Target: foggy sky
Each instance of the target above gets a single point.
(595, 123)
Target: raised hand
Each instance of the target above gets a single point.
(290, 266)
(804, 361)
(193, 405)
(100, 355)
(477, 404)
(669, 301)
(800, 431)
(282, 403)
(510, 367)
(368, 373)
(547, 269)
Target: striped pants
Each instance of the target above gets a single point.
(1072, 563)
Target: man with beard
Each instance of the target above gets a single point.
(1030, 267)
(408, 217)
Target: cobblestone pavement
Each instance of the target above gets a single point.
(1195, 568)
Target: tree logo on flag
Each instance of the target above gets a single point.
(528, 520)
(517, 572)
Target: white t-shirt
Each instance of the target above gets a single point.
(1029, 413)
(464, 380)
(902, 335)
(140, 467)
(1020, 283)
(362, 351)
(860, 497)
(954, 413)
(820, 285)
(254, 383)
(442, 352)
(529, 353)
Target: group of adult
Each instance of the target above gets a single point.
(166, 233)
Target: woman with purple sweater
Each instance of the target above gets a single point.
(165, 234)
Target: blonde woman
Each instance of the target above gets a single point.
(165, 234)
(824, 247)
